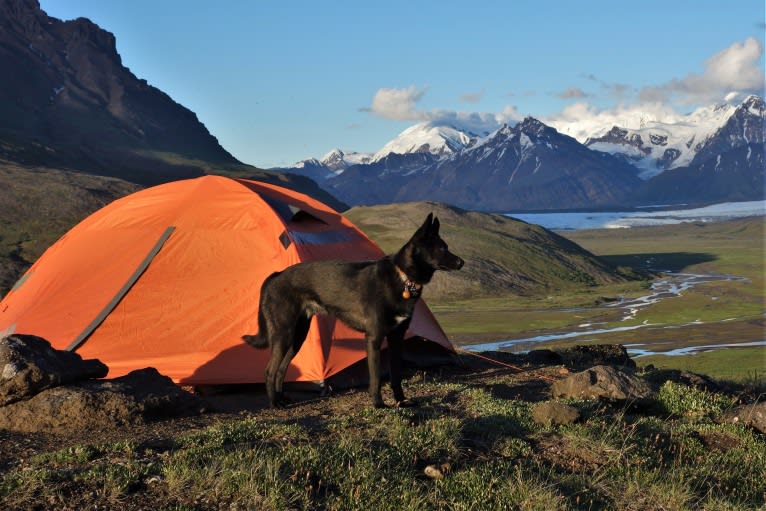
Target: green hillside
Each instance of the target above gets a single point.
(504, 256)
(40, 204)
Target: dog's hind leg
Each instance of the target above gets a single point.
(299, 335)
(272, 368)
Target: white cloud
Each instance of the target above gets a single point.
(727, 76)
(472, 97)
(401, 105)
(573, 93)
(732, 70)
(397, 104)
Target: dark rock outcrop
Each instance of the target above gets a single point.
(29, 365)
(47, 390)
(138, 397)
(586, 355)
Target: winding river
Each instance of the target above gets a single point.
(671, 285)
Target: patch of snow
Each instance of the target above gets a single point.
(658, 132)
(441, 141)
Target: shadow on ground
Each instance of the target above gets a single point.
(669, 261)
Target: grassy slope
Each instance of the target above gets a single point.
(504, 257)
(38, 205)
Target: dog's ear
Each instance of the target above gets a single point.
(425, 229)
(435, 227)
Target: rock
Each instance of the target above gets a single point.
(136, 398)
(753, 415)
(597, 354)
(602, 382)
(543, 357)
(433, 472)
(658, 377)
(552, 412)
(28, 364)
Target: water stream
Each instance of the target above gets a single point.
(671, 285)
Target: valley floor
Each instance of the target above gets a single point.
(708, 294)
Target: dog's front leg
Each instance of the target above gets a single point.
(395, 340)
(373, 364)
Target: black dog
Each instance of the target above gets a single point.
(374, 297)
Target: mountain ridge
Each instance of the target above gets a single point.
(666, 165)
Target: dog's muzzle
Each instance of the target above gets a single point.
(455, 264)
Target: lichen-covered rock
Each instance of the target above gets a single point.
(28, 365)
(602, 382)
(552, 412)
(753, 415)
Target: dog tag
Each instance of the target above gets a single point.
(406, 294)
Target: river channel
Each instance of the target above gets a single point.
(669, 286)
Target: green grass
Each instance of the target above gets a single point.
(740, 364)
(483, 452)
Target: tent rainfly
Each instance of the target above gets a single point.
(169, 277)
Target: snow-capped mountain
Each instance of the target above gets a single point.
(427, 137)
(656, 146)
(527, 166)
(339, 161)
(332, 164)
(727, 166)
(713, 154)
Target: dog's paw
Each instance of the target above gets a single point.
(405, 403)
(281, 401)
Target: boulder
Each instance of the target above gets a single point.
(658, 377)
(543, 357)
(28, 364)
(586, 355)
(602, 382)
(552, 412)
(136, 398)
(753, 415)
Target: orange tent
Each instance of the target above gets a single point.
(169, 277)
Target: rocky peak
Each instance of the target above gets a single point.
(531, 126)
(64, 86)
(752, 104)
(334, 160)
(24, 16)
(621, 136)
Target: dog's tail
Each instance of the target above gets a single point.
(258, 341)
(261, 339)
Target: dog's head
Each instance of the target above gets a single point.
(427, 252)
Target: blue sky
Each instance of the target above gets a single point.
(277, 82)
